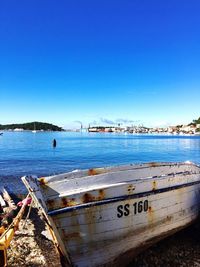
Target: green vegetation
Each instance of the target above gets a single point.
(197, 121)
(32, 126)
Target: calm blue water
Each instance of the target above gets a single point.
(27, 153)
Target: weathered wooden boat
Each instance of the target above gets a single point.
(10, 216)
(103, 217)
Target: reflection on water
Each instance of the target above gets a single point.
(28, 153)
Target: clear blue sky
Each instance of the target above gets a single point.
(65, 61)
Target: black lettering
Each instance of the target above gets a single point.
(146, 205)
(140, 206)
(120, 212)
(135, 207)
(126, 210)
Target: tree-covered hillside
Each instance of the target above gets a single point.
(197, 121)
(32, 126)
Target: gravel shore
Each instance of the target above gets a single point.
(180, 249)
(30, 248)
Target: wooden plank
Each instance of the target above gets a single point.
(2, 202)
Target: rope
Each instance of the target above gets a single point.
(27, 216)
(12, 225)
(9, 227)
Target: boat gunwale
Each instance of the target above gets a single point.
(84, 174)
(136, 181)
(105, 186)
(120, 198)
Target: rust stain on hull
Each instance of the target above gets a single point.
(64, 202)
(153, 164)
(87, 197)
(68, 236)
(68, 202)
(154, 185)
(42, 181)
(151, 216)
(102, 194)
(96, 171)
(50, 203)
(130, 189)
(92, 172)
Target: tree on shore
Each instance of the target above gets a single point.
(32, 126)
(197, 121)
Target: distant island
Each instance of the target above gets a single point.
(30, 126)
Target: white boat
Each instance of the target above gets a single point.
(104, 217)
(34, 130)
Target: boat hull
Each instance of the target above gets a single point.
(104, 233)
(107, 227)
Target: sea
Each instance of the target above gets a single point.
(27, 153)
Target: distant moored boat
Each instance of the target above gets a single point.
(34, 131)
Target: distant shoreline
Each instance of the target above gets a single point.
(103, 132)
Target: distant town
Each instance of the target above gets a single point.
(191, 128)
(182, 129)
